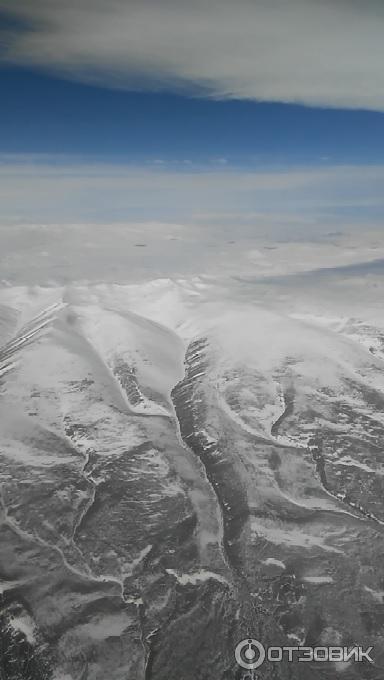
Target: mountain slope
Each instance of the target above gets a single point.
(180, 470)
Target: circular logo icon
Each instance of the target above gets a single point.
(250, 654)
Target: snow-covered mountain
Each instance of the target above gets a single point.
(184, 465)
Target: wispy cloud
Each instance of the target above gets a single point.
(326, 52)
(60, 190)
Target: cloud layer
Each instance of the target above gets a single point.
(316, 52)
(66, 189)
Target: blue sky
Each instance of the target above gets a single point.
(42, 114)
(232, 112)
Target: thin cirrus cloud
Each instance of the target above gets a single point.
(315, 52)
(41, 188)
